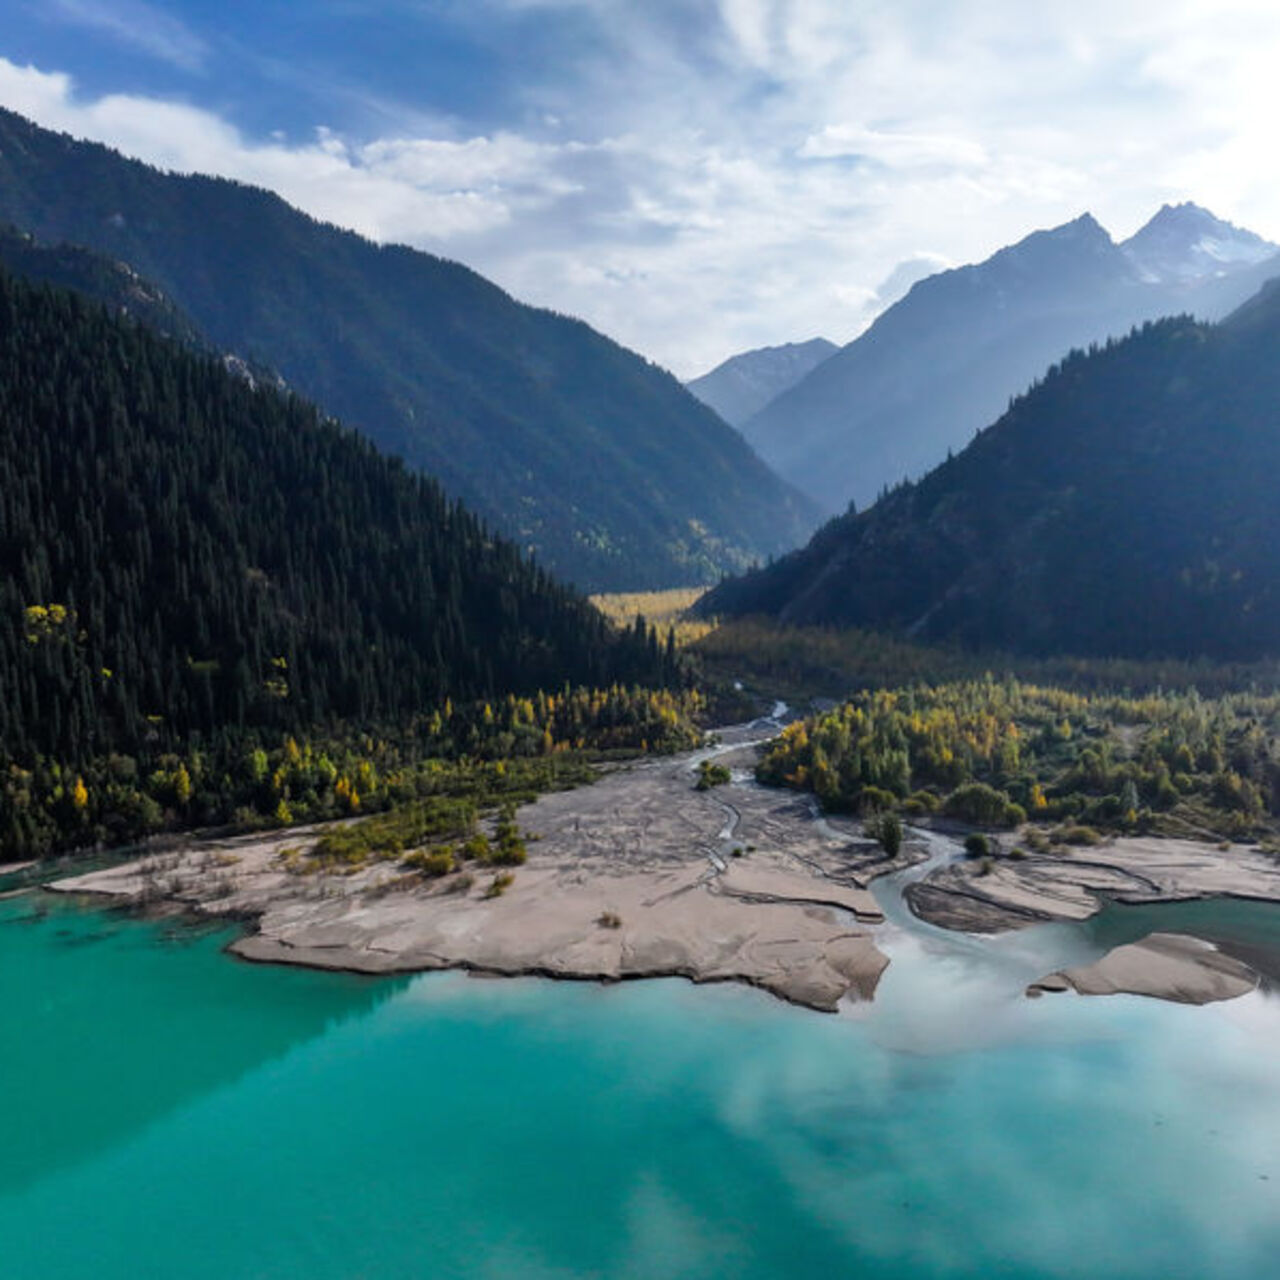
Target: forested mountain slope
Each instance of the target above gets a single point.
(113, 284)
(187, 557)
(577, 448)
(120, 289)
(1125, 505)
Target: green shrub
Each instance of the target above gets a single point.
(976, 845)
(711, 775)
(432, 862)
(875, 800)
(508, 855)
(511, 850)
(1078, 835)
(887, 829)
(980, 803)
(478, 848)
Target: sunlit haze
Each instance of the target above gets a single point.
(694, 177)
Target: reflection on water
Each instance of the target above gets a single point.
(111, 1023)
(445, 1127)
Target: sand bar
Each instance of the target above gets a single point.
(637, 876)
(1071, 883)
(1170, 966)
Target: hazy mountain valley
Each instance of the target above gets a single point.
(946, 360)
(365, 629)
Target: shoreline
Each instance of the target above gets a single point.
(1170, 966)
(637, 876)
(641, 876)
(1075, 884)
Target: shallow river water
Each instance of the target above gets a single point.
(171, 1112)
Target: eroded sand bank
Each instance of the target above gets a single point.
(641, 875)
(1170, 966)
(637, 876)
(1070, 883)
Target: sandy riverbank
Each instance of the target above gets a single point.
(1072, 883)
(641, 875)
(633, 877)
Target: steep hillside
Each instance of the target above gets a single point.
(96, 276)
(1124, 506)
(577, 448)
(945, 360)
(189, 557)
(744, 384)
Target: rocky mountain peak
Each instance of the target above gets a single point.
(1186, 242)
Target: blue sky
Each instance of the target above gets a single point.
(692, 176)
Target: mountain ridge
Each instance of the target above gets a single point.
(744, 383)
(1185, 242)
(1121, 507)
(585, 453)
(943, 361)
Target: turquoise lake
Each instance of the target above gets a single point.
(171, 1112)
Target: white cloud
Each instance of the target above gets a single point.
(368, 189)
(896, 149)
(731, 173)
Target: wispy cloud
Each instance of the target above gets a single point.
(132, 22)
(699, 176)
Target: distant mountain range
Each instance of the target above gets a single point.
(945, 360)
(583, 452)
(742, 385)
(1124, 506)
(1186, 244)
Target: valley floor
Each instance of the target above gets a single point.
(642, 875)
(635, 876)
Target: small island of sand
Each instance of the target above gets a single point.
(1167, 965)
(1072, 883)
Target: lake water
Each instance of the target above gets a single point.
(171, 1112)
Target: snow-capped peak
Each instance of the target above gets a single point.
(1185, 242)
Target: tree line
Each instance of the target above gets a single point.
(190, 562)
